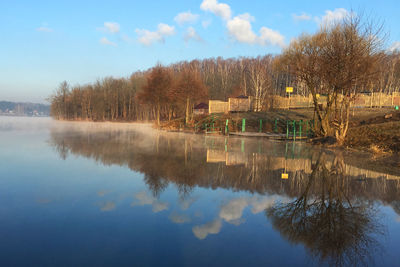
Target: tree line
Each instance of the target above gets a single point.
(339, 61)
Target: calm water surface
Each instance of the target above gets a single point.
(86, 194)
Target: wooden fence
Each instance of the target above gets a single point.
(361, 101)
(298, 101)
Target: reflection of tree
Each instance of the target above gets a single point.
(332, 224)
(156, 184)
(180, 160)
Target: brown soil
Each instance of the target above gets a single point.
(375, 137)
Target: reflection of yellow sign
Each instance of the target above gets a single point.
(317, 95)
(285, 176)
(289, 89)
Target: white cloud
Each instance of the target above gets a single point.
(186, 17)
(332, 17)
(166, 30)
(269, 36)
(206, 23)
(110, 27)
(303, 16)
(126, 38)
(395, 47)
(105, 41)
(44, 29)
(147, 37)
(191, 34)
(202, 231)
(142, 198)
(239, 28)
(220, 9)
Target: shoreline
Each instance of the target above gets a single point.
(373, 147)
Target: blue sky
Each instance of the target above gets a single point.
(46, 42)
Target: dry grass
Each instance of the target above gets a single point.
(377, 138)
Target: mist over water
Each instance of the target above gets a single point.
(83, 193)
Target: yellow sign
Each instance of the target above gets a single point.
(285, 176)
(289, 89)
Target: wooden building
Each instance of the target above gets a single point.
(200, 109)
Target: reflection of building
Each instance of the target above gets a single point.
(239, 152)
(230, 158)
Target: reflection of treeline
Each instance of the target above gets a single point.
(165, 159)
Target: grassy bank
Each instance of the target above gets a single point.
(374, 130)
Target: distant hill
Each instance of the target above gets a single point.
(25, 109)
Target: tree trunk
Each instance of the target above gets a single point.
(187, 110)
(343, 124)
(158, 113)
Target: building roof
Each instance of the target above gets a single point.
(201, 106)
(242, 96)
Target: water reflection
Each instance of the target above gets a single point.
(237, 164)
(328, 203)
(333, 224)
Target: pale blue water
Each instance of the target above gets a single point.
(85, 194)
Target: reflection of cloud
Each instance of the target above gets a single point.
(101, 193)
(186, 203)
(43, 201)
(233, 210)
(261, 204)
(202, 231)
(237, 222)
(144, 199)
(232, 213)
(158, 206)
(198, 214)
(108, 206)
(179, 218)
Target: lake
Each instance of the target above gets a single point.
(101, 194)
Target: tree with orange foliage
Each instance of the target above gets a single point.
(189, 89)
(156, 91)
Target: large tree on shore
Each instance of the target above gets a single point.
(156, 91)
(189, 89)
(339, 61)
